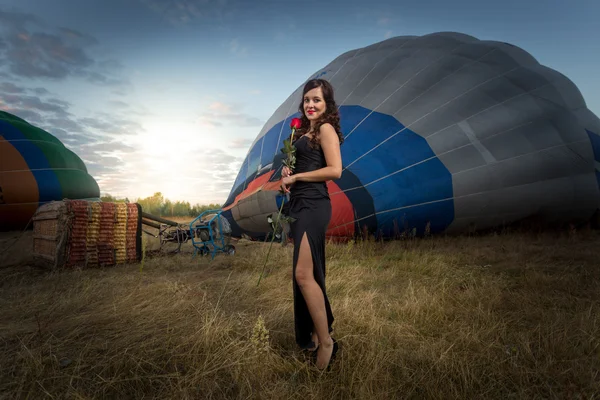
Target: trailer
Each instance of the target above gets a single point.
(213, 232)
(209, 233)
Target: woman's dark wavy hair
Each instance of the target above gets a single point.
(330, 115)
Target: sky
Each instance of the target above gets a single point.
(167, 95)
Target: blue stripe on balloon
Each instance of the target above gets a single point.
(270, 148)
(274, 139)
(280, 199)
(415, 184)
(48, 184)
(254, 158)
(238, 185)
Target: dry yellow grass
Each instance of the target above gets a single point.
(496, 316)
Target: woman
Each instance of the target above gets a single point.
(318, 160)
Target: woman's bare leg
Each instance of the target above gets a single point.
(315, 301)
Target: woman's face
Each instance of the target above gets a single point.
(314, 104)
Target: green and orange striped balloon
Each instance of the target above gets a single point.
(36, 168)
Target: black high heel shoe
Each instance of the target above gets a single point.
(333, 353)
(312, 347)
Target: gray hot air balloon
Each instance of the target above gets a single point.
(444, 132)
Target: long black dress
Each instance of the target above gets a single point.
(311, 207)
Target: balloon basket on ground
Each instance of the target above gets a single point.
(209, 233)
(86, 234)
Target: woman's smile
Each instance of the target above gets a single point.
(314, 105)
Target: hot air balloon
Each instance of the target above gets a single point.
(443, 133)
(36, 168)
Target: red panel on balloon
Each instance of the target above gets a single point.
(342, 213)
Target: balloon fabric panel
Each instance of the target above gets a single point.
(48, 184)
(595, 139)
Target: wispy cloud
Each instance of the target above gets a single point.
(240, 143)
(184, 12)
(8, 87)
(383, 21)
(30, 49)
(98, 139)
(236, 48)
(222, 114)
(17, 100)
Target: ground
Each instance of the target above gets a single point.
(493, 316)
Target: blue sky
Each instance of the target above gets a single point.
(167, 95)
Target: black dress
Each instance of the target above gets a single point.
(311, 207)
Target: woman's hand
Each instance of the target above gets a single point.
(285, 171)
(287, 182)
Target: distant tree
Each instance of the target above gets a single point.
(159, 206)
(108, 198)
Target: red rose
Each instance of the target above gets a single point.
(296, 123)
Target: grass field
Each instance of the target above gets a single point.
(495, 316)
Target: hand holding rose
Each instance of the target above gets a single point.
(287, 182)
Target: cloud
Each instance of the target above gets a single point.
(113, 124)
(99, 124)
(10, 88)
(30, 49)
(220, 107)
(118, 103)
(98, 139)
(70, 140)
(24, 102)
(40, 91)
(184, 12)
(383, 21)
(44, 55)
(221, 114)
(101, 79)
(66, 124)
(28, 115)
(210, 181)
(388, 34)
(240, 143)
(62, 103)
(237, 49)
(111, 147)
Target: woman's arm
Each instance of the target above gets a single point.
(330, 144)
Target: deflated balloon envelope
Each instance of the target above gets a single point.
(443, 133)
(36, 168)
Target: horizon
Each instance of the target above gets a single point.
(167, 96)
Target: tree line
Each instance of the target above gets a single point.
(159, 206)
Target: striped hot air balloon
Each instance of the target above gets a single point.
(36, 168)
(443, 132)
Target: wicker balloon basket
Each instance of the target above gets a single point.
(85, 234)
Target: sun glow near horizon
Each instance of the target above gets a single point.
(180, 158)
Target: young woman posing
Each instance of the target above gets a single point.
(318, 159)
